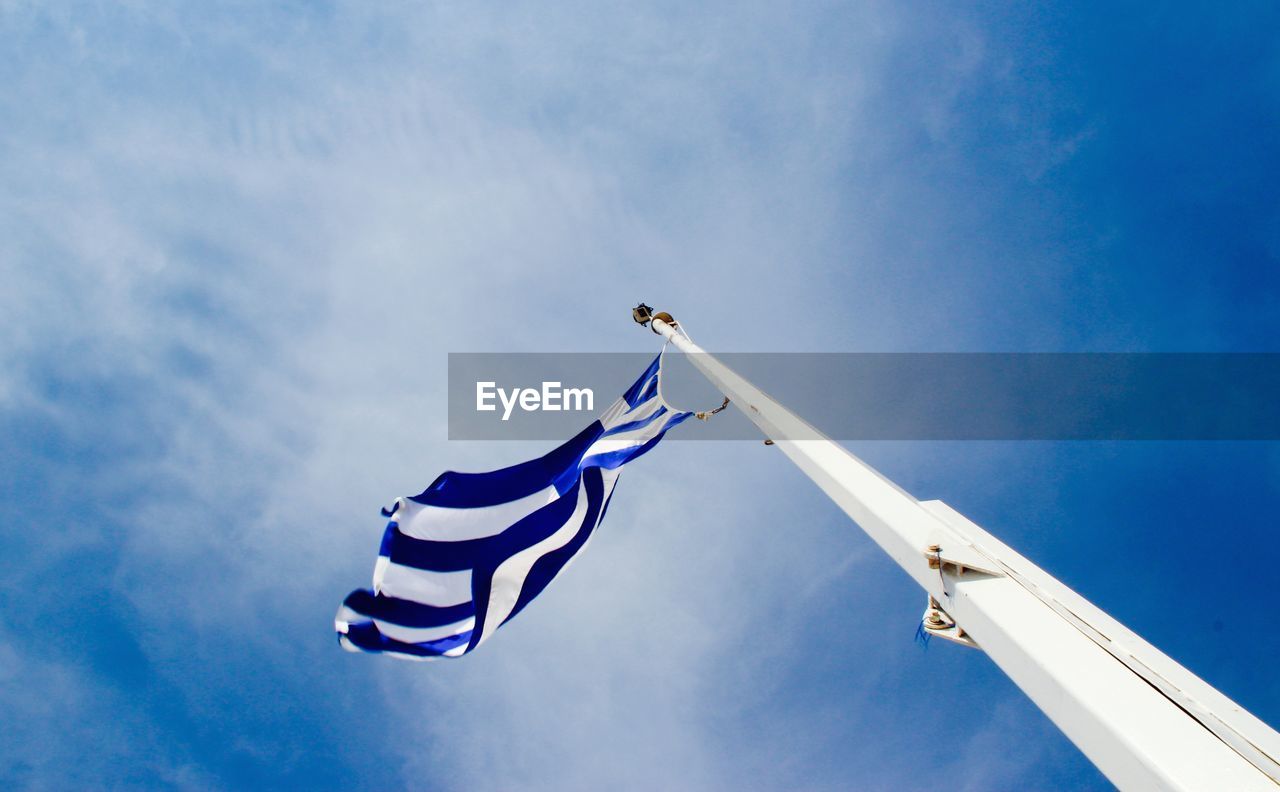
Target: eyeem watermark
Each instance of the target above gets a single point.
(552, 397)
(892, 396)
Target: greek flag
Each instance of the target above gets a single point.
(471, 551)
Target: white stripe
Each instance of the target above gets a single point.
(346, 644)
(635, 437)
(454, 525)
(610, 478)
(440, 589)
(345, 616)
(422, 634)
(404, 656)
(509, 577)
(638, 413)
(350, 647)
(342, 623)
(611, 415)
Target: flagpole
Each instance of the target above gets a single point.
(1144, 720)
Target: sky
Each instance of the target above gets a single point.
(238, 241)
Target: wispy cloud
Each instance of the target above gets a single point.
(237, 242)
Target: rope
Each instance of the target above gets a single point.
(706, 414)
(934, 554)
(922, 635)
(702, 415)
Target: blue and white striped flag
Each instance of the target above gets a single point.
(468, 553)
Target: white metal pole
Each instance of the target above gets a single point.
(1144, 720)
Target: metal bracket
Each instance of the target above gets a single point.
(644, 316)
(936, 621)
(956, 558)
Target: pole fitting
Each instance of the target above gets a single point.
(644, 316)
(934, 554)
(936, 621)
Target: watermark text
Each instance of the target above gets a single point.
(551, 397)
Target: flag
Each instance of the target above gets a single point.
(472, 550)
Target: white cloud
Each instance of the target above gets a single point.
(267, 265)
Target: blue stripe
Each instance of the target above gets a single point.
(627, 427)
(611, 460)
(474, 490)
(605, 509)
(549, 566)
(406, 613)
(438, 556)
(650, 390)
(392, 529)
(368, 637)
(635, 394)
(429, 554)
(482, 575)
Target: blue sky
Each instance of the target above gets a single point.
(238, 241)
